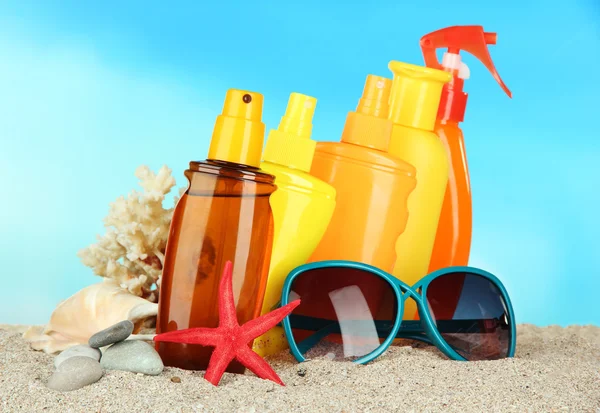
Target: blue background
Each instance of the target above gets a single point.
(91, 90)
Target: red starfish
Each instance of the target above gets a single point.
(231, 340)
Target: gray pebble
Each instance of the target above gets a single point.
(76, 351)
(75, 373)
(134, 356)
(112, 334)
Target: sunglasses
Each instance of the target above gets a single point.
(353, 311)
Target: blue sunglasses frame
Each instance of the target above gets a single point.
(424, 330)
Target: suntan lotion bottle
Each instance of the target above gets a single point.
(223, 215)
(302, 205)
(414, 102)
(372, 185)
(453, 240)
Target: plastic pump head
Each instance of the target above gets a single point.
(298, 115)
(471, 39)
(369, 125)
(239, 131)
(375, 97)
(290, 144)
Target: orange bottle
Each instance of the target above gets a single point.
(453, 239)
(224, 215)
(372, 186)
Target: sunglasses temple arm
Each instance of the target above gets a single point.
(412, 330)
(410, 327)
(314, 339)
(408, 330)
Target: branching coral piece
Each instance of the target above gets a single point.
(132, 250)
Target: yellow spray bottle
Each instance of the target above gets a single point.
(414, 102)
(302, 205)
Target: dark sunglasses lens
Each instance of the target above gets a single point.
(471, 315)
(344, 313)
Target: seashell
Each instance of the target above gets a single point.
(86, 312)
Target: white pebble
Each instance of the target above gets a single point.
(77, 351)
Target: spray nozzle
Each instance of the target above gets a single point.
(490, 38)
(298, 115)
(369, 125)
(239, 132)
(243, 104)
(375, 97)
(290, 144)
(471, 39)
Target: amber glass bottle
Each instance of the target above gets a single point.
(224, 215)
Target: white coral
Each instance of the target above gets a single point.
(132, 250)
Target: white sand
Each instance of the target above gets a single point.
(555, 369)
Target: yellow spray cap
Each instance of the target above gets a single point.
(416, 93)
(239, 132)
(290, 144)
(369, 125)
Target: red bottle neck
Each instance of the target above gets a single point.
(453, 102)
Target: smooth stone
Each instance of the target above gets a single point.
(75, 373)
(80, 350)
(112, 334)
(134, 356)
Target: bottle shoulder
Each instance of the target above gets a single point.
(225, 179)
(448, 130)
(231, 170)
(450, 134)
(290, 177)
(411, 140)
(365, 155)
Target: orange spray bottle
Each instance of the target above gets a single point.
(453, 239)
(372, 190)
(372, 186)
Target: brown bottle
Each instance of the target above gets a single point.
(224, 215)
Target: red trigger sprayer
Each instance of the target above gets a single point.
(453, 240)
(471, 39)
